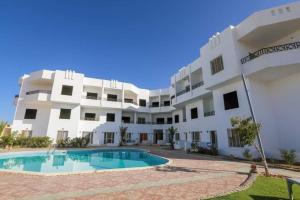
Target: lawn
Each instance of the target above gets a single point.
(264, 188)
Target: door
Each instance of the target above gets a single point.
(213, 139)
(61, 135)
(158, 135)
(143, 137)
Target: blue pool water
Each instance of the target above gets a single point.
(78, 161)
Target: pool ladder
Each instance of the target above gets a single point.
(53, 148)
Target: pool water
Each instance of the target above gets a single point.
(78, 161)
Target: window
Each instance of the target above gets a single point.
(30, 114)
(67, 90)
(88, 135)
(166, 103)
(126, 119)
(196, 136)
(91, 95)
(90, 116)
(155, 104)
(109, 137)
(61, 135)
(65, 113)
(128, 137)
(177, 136)
(143, 137)
(112, 97)
(110, 117)
(169, 120)
(194, 113)
(128, 100)
(234, 138)
(142, 102)
(216, 65)
(141, 120)
(231, 100)
(176, 118)
(160, 120)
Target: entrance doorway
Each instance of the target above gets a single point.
(158, 135)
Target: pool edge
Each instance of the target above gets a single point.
(85, 172)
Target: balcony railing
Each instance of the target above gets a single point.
(112, 99)
(127, 122)
(196, 85)
(130, 101)
(187, 89)
(139, 122)
(89, 119)
(209, 113)
(38, 91)
(91, 97)
(268, 50)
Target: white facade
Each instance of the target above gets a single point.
(272, 73)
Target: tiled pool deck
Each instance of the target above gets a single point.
(188, 176)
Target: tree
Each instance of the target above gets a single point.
(172, 132)
(248, 131)
(123, 131)
(2, 126)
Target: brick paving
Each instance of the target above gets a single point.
(189, 176)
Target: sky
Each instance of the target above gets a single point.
(143, 42)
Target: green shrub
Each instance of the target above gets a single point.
(38, 142)
(21, 140)
(209, 151)
(7, 140)
(289, 156)
(78, 142)
(247, 154)
(63, 143)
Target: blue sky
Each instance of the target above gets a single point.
(139, 41)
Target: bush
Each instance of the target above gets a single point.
(209, 151)
(7, 140)
(38, 142)
(289, 156)
(78, 142)
(247, 154)
(63, 143)
(21, 140)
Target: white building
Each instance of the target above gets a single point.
(202, 98)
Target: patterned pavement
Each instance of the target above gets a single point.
(189, 176)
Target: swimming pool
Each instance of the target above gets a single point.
(72, 161)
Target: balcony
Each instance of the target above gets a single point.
(196, 85)
(130, 101)
(90, 119)
(209, 113)
(269, 50)
(38, 92)
(187, 89)
(271, 63)
(38, 95)
(91, 97)
(90, 101)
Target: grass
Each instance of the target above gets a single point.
(264, 188)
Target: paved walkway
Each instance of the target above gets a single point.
(188, 177)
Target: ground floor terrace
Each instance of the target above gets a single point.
(188, 176)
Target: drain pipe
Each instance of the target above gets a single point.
(257, 131)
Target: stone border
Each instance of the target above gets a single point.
(84, 172)
(244, 186)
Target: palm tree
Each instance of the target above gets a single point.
(2, 126)
(172, 132)
(123, 131)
